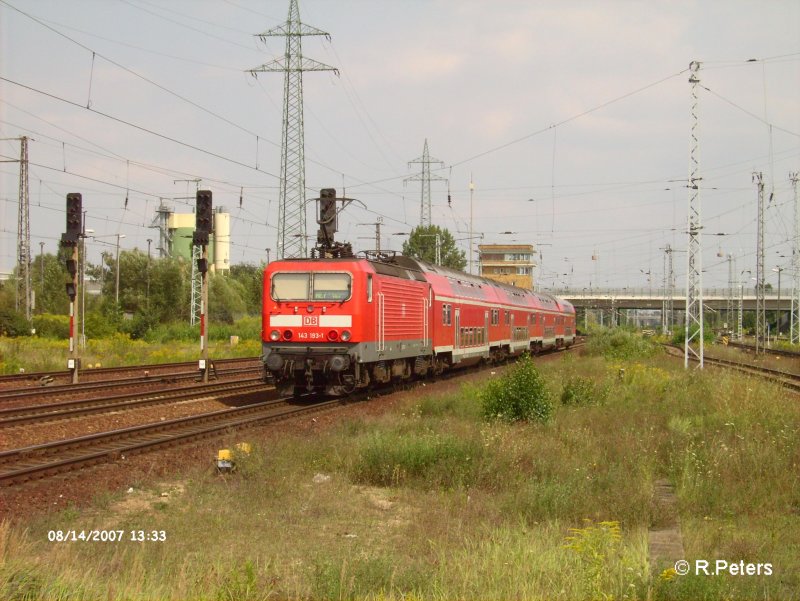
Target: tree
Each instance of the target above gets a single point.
(170, 289)
(421, 244)
(225, 304)
(251, 278)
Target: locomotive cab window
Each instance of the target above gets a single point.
(331, 286)
(291, 286)
(304, 286)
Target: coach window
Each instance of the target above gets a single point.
(290, 286)
(331, 286)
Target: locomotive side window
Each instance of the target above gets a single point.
(290, 286)
(369, 288)
(331, 286)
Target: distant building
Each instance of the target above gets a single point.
(508, 263)
(176, 237)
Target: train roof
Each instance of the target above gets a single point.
(463, 284)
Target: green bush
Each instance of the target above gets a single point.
(13, 324)
(99, 325)
(138, 327)
(620, 344)
(247, 328)
(680, 335)
(520, 395)
(51, 326)
(579, 390)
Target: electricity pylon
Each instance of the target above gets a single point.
(425, 177)
(292, 196)
(794, 335)
(669, 291)
(24, 291)
(694, 250)
(761, 310)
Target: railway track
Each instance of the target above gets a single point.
(48, 378)
(786, 379)
(770, 351)
(51, 459)
(17, 416)
(61, 390)
(18, 466)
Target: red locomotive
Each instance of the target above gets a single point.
(337, 324)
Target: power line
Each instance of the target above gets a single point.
(139, 127)
(131, 71)
(753, 115)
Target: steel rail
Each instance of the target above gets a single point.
(66, 374)
(17, 416)
(11, 394)
(768, 351)
(45, 460)
(785, 378)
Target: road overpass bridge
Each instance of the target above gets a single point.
(654, 298)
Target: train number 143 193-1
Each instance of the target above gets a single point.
(310, 335)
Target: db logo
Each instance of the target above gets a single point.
(311, 320)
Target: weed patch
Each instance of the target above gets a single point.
(521, 394)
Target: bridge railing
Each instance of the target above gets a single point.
(660, 293)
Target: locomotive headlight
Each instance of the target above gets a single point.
(333, 335)
(287, 334)
(345, 335)
(274, 335)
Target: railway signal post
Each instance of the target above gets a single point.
(69, 239)
(204, 220)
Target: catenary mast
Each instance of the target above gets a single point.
(694, 250)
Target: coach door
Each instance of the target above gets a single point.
(380, 339)
(457, 329)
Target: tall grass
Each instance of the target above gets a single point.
(619, 344)
(172, 343)
(431, 501)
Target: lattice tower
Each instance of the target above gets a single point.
(292, 194)
(794, 334)
(425, 177)
(694, 249)
(761, 307)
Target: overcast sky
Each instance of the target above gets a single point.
(571, 117)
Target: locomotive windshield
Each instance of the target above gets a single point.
(307, 286)
(331, 286)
